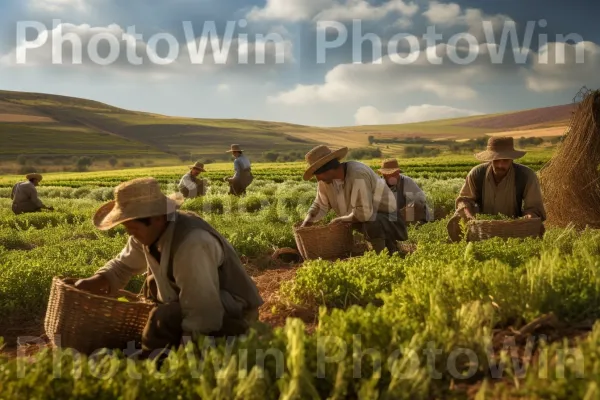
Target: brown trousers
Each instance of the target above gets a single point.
(22, 208)
(238, 186)
(163, 329)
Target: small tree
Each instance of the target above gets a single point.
(83, 163)
(112, 161)
(271, 156)
(22, 159)
(371, 139)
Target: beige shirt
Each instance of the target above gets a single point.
(196, 273)
(500, 198)
(26, 193)
(357, 198)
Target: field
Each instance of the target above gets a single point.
(51, 130)
(493, 319)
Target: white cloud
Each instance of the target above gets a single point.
(360, 9)
(84, 46)
(559, 66)
(369, 115)
(360, 82)
(58, 5)
(450, 15)
(223, 88)
(443, 14)
(301, 10)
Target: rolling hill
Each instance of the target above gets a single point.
(59, 126)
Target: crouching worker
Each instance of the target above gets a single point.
(357, 195)
(498, 186)
(25, 196)
(194, 275)
(410, 198)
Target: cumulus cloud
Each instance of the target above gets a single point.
(388, 77)
(443, 14)
(451, 15)
(301, 10)
(116, 49)
(369, 115)
(558, 66)
(58, 5)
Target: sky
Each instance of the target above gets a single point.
(310, 62)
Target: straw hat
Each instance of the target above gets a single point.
(137, 198)
(33, 176)
(320, 156)
(500, 148)
(389, 166)
(234, 147)
(198, 166)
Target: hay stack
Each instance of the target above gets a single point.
(571, 180)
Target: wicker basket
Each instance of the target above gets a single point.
(517, 228)
(87, 322)
(329, 242)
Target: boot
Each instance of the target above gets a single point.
(378, 245)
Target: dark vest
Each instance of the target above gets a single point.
(520, 183)
(233, 278)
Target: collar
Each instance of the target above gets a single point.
(165, 239)
(490, 174)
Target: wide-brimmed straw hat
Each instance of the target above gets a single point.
(137, 198)
(234, 147)
(199, 166)
(33, 176)
(320, 156)
(389, 166)
(500, 148)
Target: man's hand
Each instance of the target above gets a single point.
(528, 216)
(97, 284)
(468, 214)
(306, 224)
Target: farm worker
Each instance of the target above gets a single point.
(243, 173)
(498, 186)
(25, 196)
(190, 185)
(357, 195)
(409, 196)
(194, 275)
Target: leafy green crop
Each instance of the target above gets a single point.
(379, 315)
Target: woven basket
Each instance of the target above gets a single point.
(87, 322)
(517, 228)
(329, 242)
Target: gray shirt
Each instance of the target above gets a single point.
(25, 193)
(240, 164)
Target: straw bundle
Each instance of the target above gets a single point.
(571, 180)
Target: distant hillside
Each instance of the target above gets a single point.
(548, 120)
(49, 125)
(41, 124)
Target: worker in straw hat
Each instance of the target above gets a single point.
(194, 275)
(498, 186)
(190, 185)
(357, 195)
(25, 196)
(243, 173)
(410, 198)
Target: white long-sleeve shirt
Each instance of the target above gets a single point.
(357, 198)
(240, 164)
(195, 269)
